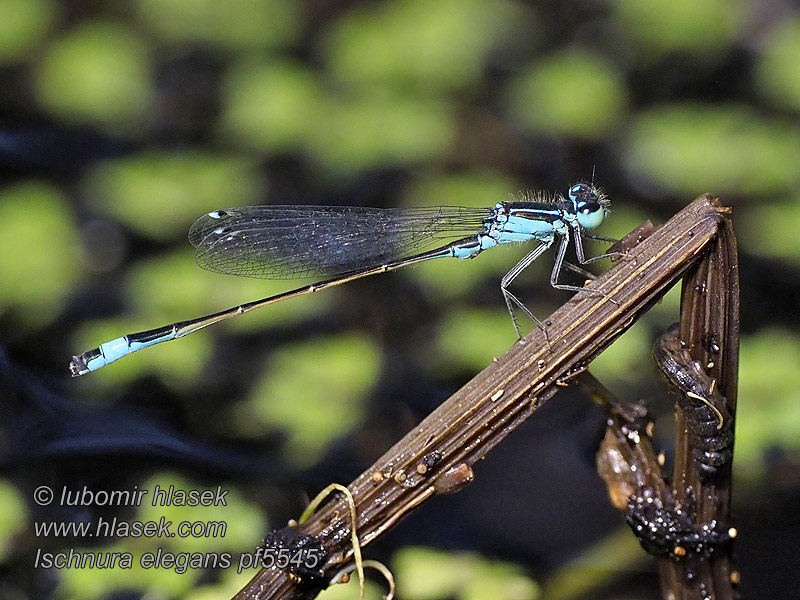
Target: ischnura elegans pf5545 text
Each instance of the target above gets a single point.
(347, 243)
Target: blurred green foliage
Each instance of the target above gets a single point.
(573, 580)
(470, 338)
(419, 45)
(702, 27)
(39, 260)
(227, 586)
(23, 25)
(777, 71)
(770, 229)
(157, 193)
(237, 26)
(695, 148)
(98, 73)
(573, 93)
(314, 391)
(13, 517)
(768, 372)
(430, 574)
(271, 106)
(371, 128)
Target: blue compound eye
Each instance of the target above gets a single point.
(582, 192)
(590, 214)
(588, 209)
(578, 190)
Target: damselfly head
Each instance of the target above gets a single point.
(591, 204)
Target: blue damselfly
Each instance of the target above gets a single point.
(347, 243)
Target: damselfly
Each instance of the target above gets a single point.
(347, 243)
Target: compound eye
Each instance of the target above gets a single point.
(590, 214)
(587, 208)
(582, 192)
(578, 190)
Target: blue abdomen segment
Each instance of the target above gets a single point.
(471, 249)
(116, 349)
(109, 352)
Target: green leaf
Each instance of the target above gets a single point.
(778, 75)
(693, 148)
(471, 338)
(373, 128)
(24, 25)
(433, 44)
(698, 26)
(40, 260)
(271, 106)
(97, 73)
(160, 194)
(243, 24)
(314, 391)
(13, 517)
(768, 414)
(572, 92)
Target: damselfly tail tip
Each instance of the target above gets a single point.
(75, 367)
(79, 365)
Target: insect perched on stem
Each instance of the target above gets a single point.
(348, 243)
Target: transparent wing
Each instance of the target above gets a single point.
(286, 242)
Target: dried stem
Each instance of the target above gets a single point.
(709, 328)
